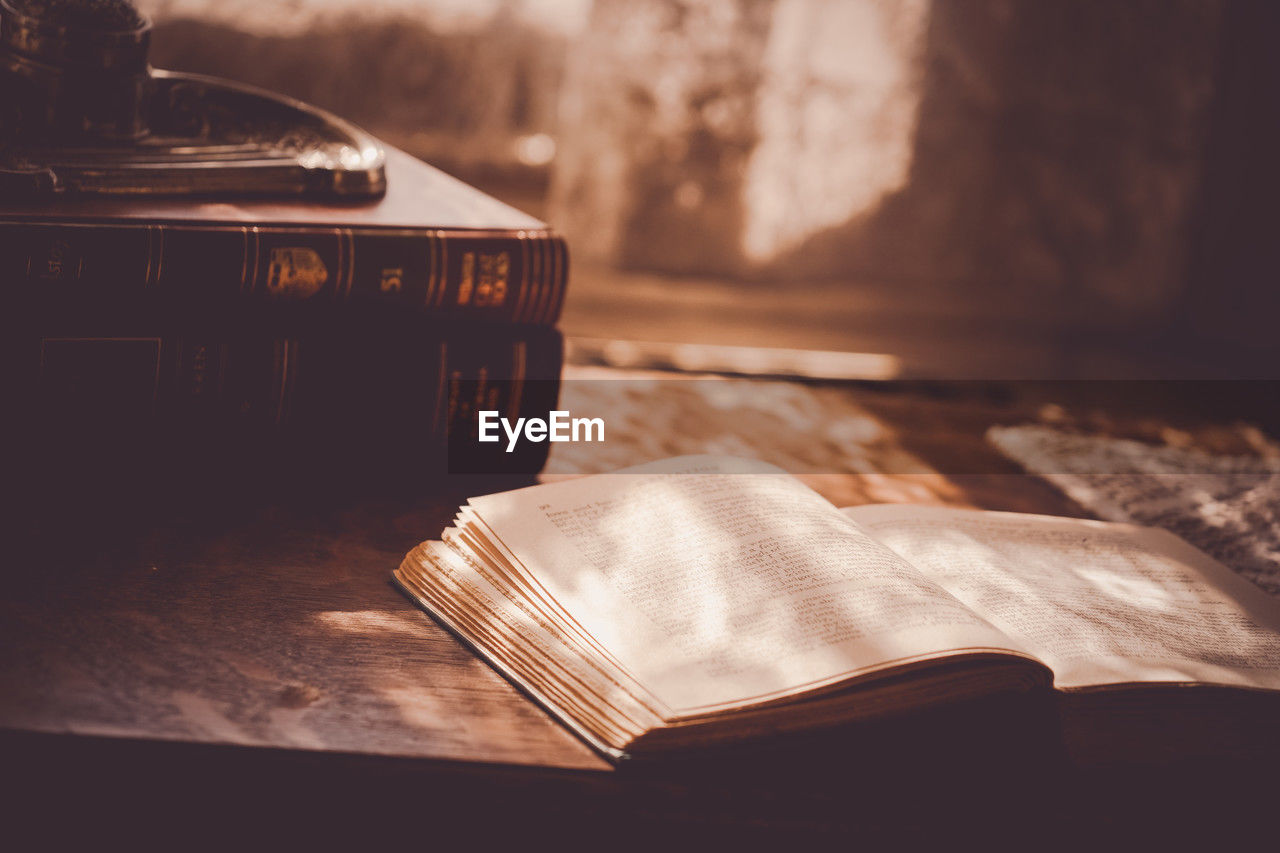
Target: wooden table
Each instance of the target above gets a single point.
(219, 664)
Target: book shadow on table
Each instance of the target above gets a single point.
(122, 483)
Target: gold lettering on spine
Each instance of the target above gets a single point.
(502, 271)
(491, 279)
(296, 272)
(57, 262)
(466, 281)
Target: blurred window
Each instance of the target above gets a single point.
(977, 187)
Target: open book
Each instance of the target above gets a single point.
(703, 600)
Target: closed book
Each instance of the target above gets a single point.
(399, 398)
(433, 246)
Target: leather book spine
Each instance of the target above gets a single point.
(114, 384)
(476, 275)
(354, 399)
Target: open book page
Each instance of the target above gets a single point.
(716, 582)
(507, 630)
(1099, 603)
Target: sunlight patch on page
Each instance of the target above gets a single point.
(1100, 603)
(715, 587)
(1143, 593)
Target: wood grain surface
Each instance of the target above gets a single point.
(250, 619)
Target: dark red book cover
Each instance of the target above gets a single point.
(432, 244)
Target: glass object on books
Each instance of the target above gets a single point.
(83, 112)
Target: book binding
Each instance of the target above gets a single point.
(499, 276)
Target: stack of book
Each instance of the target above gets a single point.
(367, 332)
